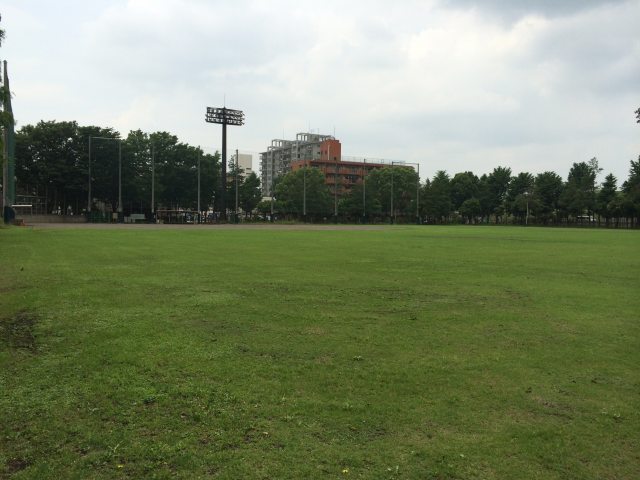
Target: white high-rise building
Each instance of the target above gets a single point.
(245, 162)
(277, 159)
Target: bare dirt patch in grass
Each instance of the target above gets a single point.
(17, 332)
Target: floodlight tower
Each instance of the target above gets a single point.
(224, 116)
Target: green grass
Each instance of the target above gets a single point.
(408, 352)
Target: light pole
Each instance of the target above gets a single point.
(526, 218)
(153, 183)
(236, 179)
(418, 197)
(89, 189)
(224, 116)
(335, 184)
(364, 190)
(391, 219)
(304, 194)
(273, 176)
(119, 180)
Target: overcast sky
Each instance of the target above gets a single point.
(452, 84)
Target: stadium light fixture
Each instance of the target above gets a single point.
(224, 116)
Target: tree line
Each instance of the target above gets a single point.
(395, 194)
(53, 160)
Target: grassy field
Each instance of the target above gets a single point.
(406, 352)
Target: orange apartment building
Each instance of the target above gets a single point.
(313, 150)
(343, 174)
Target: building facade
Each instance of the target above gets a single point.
(245, 163)
(282, 154)
(340, 175)
(323, 152)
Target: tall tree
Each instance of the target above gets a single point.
(519, 195)
(631, 189)
(52, 161)
(498, 186)
(235, 177)
(605, 196)
(397, 182)
(464, 186)
(437, 198)
(470, 209)
(250, 193)
(290, 191)
(546, 191)
(361, 201)
(579, 195)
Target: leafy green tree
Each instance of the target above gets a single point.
(402, 181)
(519, 195)
(361, 201)
(52, 161)
(250, 193)
(264, 207)
(177, 173)
(497, 187)
(578, 196)
(546, 192)
(234, 173)
(437, 198)
(484, 197)
(136, 172)
(631, 189)
(470, 209)
(290, 192)
(464, 186)
(605, 197)
(619, 207)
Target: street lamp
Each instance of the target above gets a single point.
(224, 116)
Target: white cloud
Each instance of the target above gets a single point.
(455, 85)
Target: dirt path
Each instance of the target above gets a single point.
(245, 226)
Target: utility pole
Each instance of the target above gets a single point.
(8, 154)
(89, 194)
(304, 193)
(273, 173)
(391, 211)
(237, 169)
(335, 185)
(199, 210)
(418, 198)
(364, 191)
(119, 180)
(153, 183)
